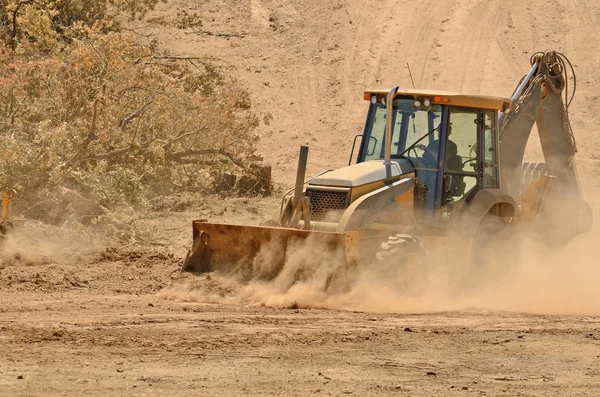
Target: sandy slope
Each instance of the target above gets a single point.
(308, 62)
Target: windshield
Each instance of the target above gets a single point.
(409, 125)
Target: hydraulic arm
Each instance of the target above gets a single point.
(539, 100)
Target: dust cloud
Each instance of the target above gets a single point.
(298, 281)
(559, 280)
(35, 243)
(546, 281)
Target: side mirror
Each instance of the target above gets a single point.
(371, 146)
(353, 147)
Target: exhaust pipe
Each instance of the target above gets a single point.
(389, 126)
(300, 204)
(300, 175)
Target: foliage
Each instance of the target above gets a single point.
(42, 24)
(185, 20)
(135, 8)
(116, 122)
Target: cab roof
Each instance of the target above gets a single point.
(451, 98)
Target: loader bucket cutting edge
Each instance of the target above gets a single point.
(233, 249)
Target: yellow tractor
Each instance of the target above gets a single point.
(430, 165)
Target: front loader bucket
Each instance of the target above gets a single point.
(258, 251)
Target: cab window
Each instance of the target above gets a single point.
(461, 154)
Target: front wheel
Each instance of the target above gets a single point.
(5, 227)
(402, 261)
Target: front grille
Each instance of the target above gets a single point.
(324, 202)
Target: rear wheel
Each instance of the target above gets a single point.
(495, 252)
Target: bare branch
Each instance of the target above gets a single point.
(135, 114)
(133, 30)
(195, 161)
(202, 60)
(217, 34)
(118, 152)
(104, 60)
(91, 136)
(182, 136)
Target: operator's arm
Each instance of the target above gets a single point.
(430, 153)
(427, 149)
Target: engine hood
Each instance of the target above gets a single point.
(363, 173)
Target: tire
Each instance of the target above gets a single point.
(5, 227)
(402, 262)
(399, 263)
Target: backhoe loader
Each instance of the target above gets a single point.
(430, 165)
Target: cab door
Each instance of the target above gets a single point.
(489, 153)
(470, 160)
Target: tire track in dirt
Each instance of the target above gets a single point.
(259, 14)
(463, 67)
(391, 38)
(585, 50)
(385, 36)
(308, 62)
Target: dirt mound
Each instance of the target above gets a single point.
(140, 259)
(311, 75)
(207, 289)
(45, 258)
(128, 272)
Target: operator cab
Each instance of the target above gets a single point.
(450, 139)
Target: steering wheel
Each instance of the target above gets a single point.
(469, 159)
(473, 151)
(414, 149)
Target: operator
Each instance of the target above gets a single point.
(430, 155)
(453, 162)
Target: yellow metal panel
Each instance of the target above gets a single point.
(253, 251)
(351, 247)
(360, 191)
(406, 201)
(455, 99)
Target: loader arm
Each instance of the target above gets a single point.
(539, 100)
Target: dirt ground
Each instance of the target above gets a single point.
(79, 316)
(89, 343)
